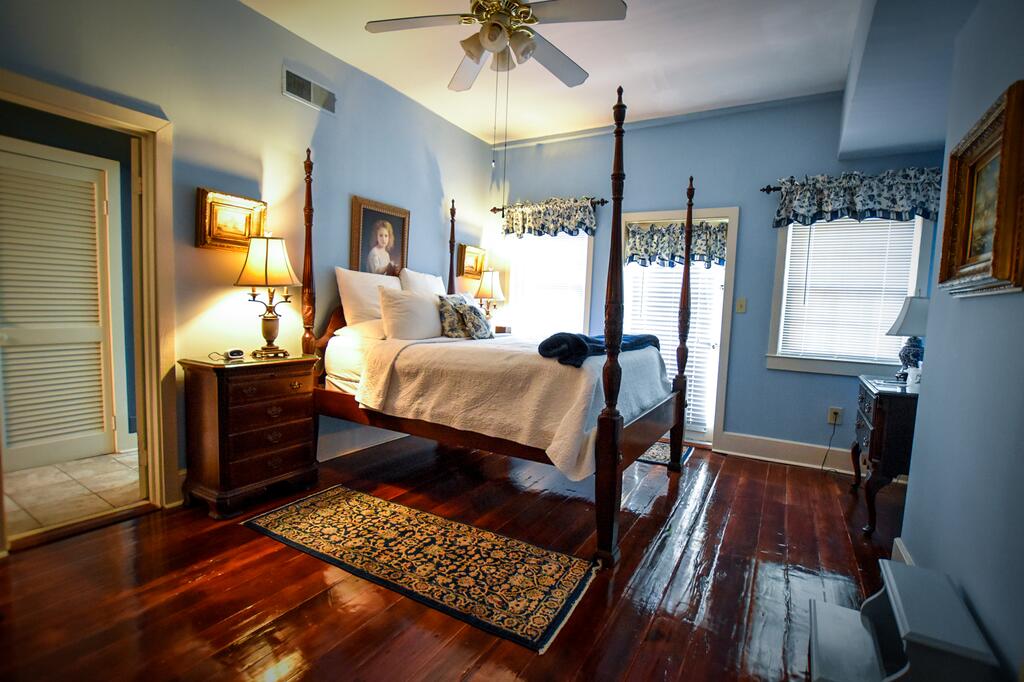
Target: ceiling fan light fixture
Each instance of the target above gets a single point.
(494, 33)
(523, 45)
(473, 48)
(503, 61)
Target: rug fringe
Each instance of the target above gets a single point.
(593, 574)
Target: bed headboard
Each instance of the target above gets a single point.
(311, 343)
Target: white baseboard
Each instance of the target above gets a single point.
(901, 553)
(782, 451)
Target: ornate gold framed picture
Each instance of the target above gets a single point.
(471, 261)
(983, 238)
(380, 237)
(224, 221)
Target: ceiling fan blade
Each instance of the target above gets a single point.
(558, 63)
(558, 11)
(385, 25)
(466, 74)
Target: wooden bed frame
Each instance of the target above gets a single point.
(618, 444)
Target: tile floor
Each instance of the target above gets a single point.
(54, 494)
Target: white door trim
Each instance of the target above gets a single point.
(154, 302)
(732, 215)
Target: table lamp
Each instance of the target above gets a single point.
(910, 323)
(489, 293)
(267, 265)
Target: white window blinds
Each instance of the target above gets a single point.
(652, 307)
(548, 284)
(844, 284)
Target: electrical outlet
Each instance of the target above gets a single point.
(741, 305)
(835, 415)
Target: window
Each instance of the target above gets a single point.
(839, 287)
(652, 307)
(549, 284)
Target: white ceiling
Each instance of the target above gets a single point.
(671, 56)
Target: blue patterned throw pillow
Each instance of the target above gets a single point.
(474, 322)
(461, 319)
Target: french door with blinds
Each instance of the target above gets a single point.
(652, 307)
(57, 338)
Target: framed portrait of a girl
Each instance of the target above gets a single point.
(380, 237)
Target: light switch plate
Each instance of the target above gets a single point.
(741, 305)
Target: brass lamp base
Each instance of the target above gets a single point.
(270, 324)
(271, 351)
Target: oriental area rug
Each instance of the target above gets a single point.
(659, 452)
(503, 586)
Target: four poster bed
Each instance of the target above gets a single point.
(617, 441)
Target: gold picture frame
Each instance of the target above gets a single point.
(373, 221)
(983, 235)
(471, 261)
(225, 221)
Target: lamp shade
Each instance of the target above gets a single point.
(912, 318)
(490, 286)
(267, 265)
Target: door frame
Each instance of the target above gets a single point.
(153, 276)
(732, 215)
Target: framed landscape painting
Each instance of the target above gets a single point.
(380, 237)
(226, 221)
(983, 238)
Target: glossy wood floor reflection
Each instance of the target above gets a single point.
(718, 566)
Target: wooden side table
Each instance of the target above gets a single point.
(249, 425)
(886, 410)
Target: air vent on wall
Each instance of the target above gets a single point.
(308, 92)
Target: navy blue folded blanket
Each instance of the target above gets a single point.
(573, 349)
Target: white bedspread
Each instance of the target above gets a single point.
(503, 388)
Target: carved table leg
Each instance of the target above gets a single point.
(855, 459)
(874, 483)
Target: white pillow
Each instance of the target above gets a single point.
(410, 314)
(422, 282)
(371, 329)
(358, 291)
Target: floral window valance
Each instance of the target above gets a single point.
(547, 218)
(892, 195)
(662, 243)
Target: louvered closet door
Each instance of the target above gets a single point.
(54, 312)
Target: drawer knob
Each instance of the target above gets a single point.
(249, 390)
(274, 462)
(274, 437)
(296, 385)
(274, 411)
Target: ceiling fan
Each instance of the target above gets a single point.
(508, 30)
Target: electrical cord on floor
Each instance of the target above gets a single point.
(824, 459)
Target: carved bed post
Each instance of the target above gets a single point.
(451, 253)
(608, 451)
(308, 292)
(675, 439)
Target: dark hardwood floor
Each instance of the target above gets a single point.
(718, 565)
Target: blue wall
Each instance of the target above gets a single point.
(730, 155)
(964, 501)
(213, 68)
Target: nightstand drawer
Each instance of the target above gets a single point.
(242, 391)
(258, 415)
(269, 465)
(251, 443)
(863, 435)
(866, 404)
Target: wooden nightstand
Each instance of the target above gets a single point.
(249, 425)
(886, 411)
